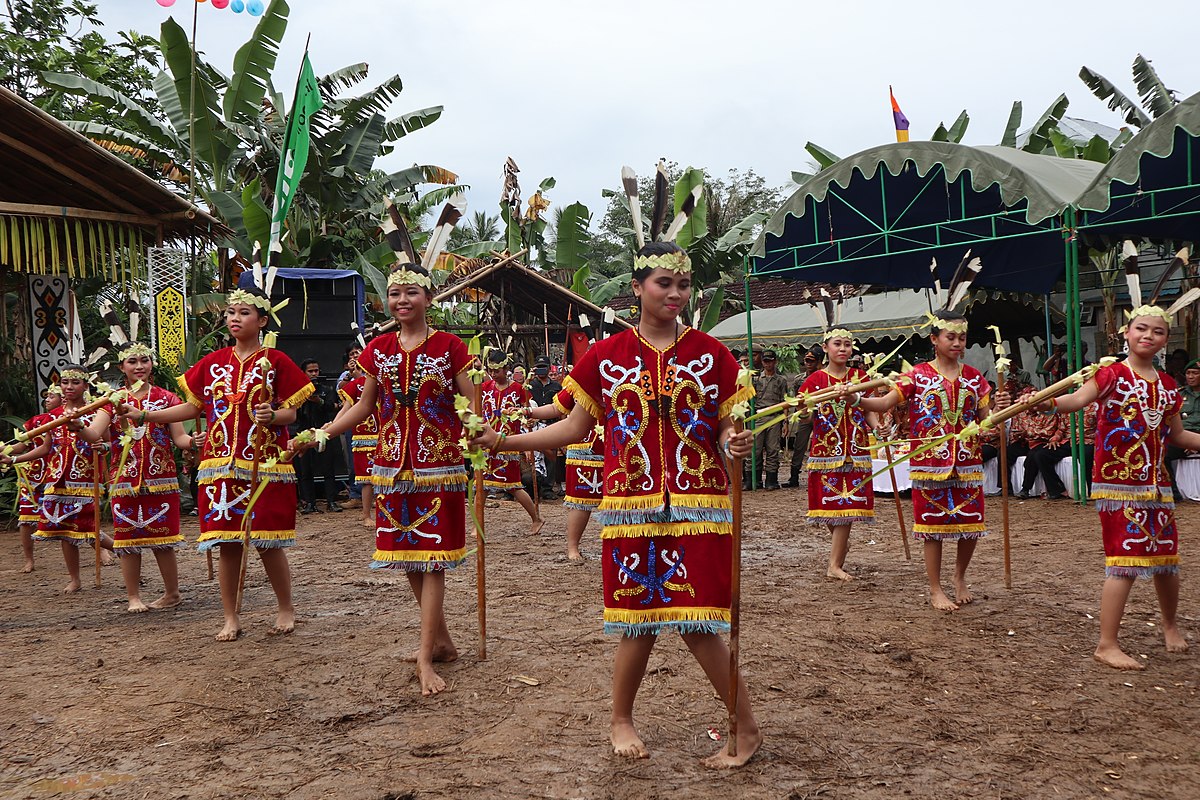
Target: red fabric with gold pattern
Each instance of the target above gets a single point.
(145, 496)
(30, 476)
(67, 512)
(504, 469)
(839, 456)
(585, 463)
(226, 388)
(365, 436)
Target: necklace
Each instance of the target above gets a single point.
(659, 397)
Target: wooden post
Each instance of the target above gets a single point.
(1004, 505)
(248, 519)
(480, 560)
(887, 453)
(96, 506)
(735, 595)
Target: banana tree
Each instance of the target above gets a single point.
(1154, 95)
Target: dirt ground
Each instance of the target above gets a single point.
(861, 689)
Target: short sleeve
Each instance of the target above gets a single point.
(460, 359)
(564, 401)
(583, 383)
(1105, 378)
(729, 393)
(191, 383)
(809, 384)
(366, 359)
(292, 385)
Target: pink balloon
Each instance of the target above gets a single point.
(166, 3)
(220, 3)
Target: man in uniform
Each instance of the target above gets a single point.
(769, 388)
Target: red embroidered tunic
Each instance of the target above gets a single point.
(938, 406)
(585, 462)
(839, 436)
(418, 472)
(67, 510)
(365, 436)
(30, 475)
(666, 510)
(226, 388)
(504, 468)
(145, 496)
(1130, 481)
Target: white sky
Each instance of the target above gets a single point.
(575, 90)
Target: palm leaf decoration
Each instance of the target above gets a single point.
(1104, 89)
(1156, 97)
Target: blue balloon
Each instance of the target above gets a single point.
(255, 7)
(238, 6)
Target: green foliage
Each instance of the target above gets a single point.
(823, 157)
(572, 237)
(697, 224)
(1009, 139)
(1039, 135)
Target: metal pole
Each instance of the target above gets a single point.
(1049, 336)
(1074, 360)
(750, 354)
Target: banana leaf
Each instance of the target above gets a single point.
(254, 63)
(572, 239)
(1104, 89)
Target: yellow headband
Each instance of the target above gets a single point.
(244, 297)
(836, 332)
(954, 326)
(1149, 311)
(406, 277)
(678, 262)
(135, 349)
(55, 389)
(73, 374)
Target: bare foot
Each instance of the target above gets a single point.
(285, 622)
(626, 743)
(230, 632)
(1116, 658)
(431, 682)
(1175, 641)
(575, 558)
(939, 601)
(838, 573)
(537, 526)
(962, 593)
(443, 653)
(72, 586)
(747, 745)
(106, 557)
(28, 567)
(368, 523)
(136, 606)
(167, 601)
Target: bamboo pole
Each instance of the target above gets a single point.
(480, 545)
(248, 520)
(887, 453)
(1004, 506)
(96, 507)
(735, 595)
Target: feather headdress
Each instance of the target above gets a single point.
(829, 315)
(1151, 308)
(960, 286)
(677, 260)
(122, 341)
(601, 330)
(264, 280)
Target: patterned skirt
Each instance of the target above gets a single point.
(29, 501)
(840, 497)
(420, 531)
(585, 478)
(1139, 542)
(222, 504)
(149, 521)
(66, 517)
(504, 471)
(948, 510)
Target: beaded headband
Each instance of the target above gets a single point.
(74, 374)
(835, 333)
(679, 263)
(55, 389)
(953, 325)
(262, 303)
(406, 277)
(137, 349)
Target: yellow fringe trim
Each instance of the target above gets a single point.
(583, 398)
(500, 485)
(119, 543)
(976, 527)
(235, 537)
(296, 400)
(1142, 561)
(74, 536)
(425, 481)
(28, 519)
(420, 555)
(281, 468)
(186, 391)
(1145, 494)
(681, 614)
(650, 529)
(743, 393)
(942, 475)
(561, 408)
(597, 462)
(859, 512)
(646, 501)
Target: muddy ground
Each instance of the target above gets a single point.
(861, 689)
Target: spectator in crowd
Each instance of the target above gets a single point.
(802, 430)
(1191, 419)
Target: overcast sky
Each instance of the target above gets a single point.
(575, 90)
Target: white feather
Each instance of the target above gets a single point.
(1184, 300)
(937, 284)
(635, 207)
(273, 260)
(680, 219)
(256, 264)
(1128, 249)
(960, 291)
(440, 236)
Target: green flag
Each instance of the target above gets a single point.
(295, 147)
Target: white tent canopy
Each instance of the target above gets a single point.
(889, 315)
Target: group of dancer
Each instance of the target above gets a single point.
(648, 423)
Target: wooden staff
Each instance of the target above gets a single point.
(887, 453)
(96, 506)
(480, 572)
(64, 418)
(1053, 390)
(248, 519)
(1004, 505)
(208, 554)
(735, 593)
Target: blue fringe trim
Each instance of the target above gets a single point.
(948, 537)
(834, 522)
(1141, 572)
(655, 628)
(418, 566)
(838, 465)
(582, 506)
(259, 544)
(119, 551)
(229, 472)
(1117, 505)
(408, 487)
(644, 516)
(940, 484)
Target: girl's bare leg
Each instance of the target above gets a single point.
(71, 557)
(229, 569)
(837, 555)
(577, 520)
(168, 567)
(713, 656)
(1112, 608)
(430, 588)
(368, 507)
(279, 573)
(27, 546)
(1167, 588)
(522, 497)
(966, 549)
(444, 650)
(131, 572)
(933, 573)
(629, 667)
